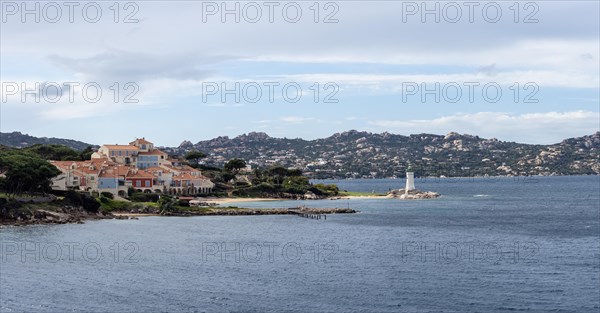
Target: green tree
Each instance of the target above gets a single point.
(195, 156)
(167, 204)
(54, 152)
(25, 172)
(86, 154)
(234, 166)
(277, 174)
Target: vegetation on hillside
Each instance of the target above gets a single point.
(20, 140)
(25, 172)
(356, 154)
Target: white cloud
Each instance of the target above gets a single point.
(547, 127)
(392, 82)
(297, 119)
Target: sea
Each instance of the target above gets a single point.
(510, 244)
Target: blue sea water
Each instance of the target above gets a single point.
(487, 245)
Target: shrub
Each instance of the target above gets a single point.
(107, 195)
(183, 203)
(88, 202)
(144, 197)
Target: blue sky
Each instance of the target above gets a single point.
(370, 57)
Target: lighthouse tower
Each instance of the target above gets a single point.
(410, 180)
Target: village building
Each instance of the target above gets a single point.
(138, 165)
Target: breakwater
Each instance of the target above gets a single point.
(303, 212)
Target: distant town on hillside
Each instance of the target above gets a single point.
(355, 154)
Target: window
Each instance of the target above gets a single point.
(120, 152)
(112, 153)
(143, 147)
(147, 183)
(138, 183)
(127, 153)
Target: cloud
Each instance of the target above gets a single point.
(547, 127)
(136, 66)
(297, 119)
(489, 70)
(387, 82)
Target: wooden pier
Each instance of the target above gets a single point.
(310, 215)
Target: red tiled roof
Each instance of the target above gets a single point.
(121, 147)
(112, 171)
(157, 169)
(182, 168)
(140, 140)
(140, 174)
(153, 152)
(187, 176)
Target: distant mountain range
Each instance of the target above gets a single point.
(355, 154)
(19, 140)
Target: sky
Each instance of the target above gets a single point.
(170, 71)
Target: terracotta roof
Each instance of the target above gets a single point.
(185, 176)
(140, 140)
(63, 164)
(99, 160)
(188, 168)
(140, 174)
(87, 170)
(121, 147)
(157, 169)
(153, 152)
(107, 174)
(183, 168)
(112, 171)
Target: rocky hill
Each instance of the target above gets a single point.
(19, 140)
(355, 154)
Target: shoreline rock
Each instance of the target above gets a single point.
(412, 194)
(243, 212)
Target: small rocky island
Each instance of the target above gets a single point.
(410, 192)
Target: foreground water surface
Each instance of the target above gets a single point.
(487, 245)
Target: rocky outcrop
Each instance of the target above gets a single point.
(412, 194)
(242, 211)
(51, 215)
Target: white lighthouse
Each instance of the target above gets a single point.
(410, 180)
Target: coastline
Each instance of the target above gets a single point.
(240, 211)
(221, 201)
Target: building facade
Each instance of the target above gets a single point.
(116, 168)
